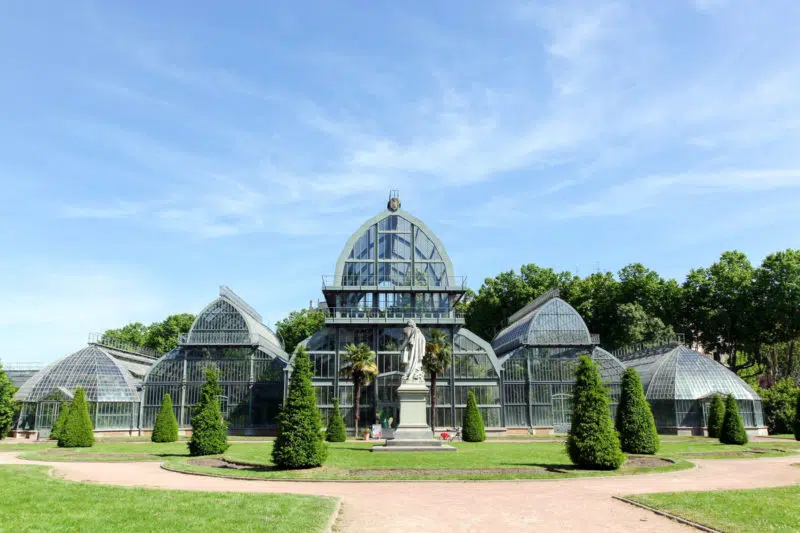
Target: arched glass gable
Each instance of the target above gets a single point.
(554, 323)
(394, 249)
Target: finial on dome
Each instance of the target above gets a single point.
(394, 200)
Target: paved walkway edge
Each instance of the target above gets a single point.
(334, 516)
(665, 514)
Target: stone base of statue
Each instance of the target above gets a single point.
(413, 434)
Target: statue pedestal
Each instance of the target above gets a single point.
(413, 434)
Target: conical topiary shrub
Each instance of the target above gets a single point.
(336, 431)
(299, 443)
(797, 419)
(732, 427)
(166, 427)
(472, 429)
(209, 431)
(635, 424)
(592, 442)
(716, 415)
(61, 420)
(77, 431)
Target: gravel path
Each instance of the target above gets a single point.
(580, 505)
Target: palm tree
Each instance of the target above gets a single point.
(360, 367)
(438, 354)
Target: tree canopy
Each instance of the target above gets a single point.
(298, 326)
(160, 336)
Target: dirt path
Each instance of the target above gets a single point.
(580, 505)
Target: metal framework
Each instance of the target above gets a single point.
(679, 383)
(538, 351)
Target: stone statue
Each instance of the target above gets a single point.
(413, 350)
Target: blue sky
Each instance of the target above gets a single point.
(151, 151)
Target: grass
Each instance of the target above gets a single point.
(33, 501)
(105, 452)
(774, 510)
(788, 436)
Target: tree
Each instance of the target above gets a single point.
(472, 429)
(360, 367)
(336, 431)
(732, 426)
(437, 358)
(779, 403)
(159, 336)
(165, 428)
(635, 423)
(78, 431)
(592, 442)
(299, 442)
(716, 415)
(209, 430)
(61, 421)
(8, 405)
(298, 326)
(797, 419)
(634, 325)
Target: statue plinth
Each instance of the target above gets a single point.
(413, 434)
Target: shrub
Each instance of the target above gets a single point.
(166, 427)
(61, 420)
(472, 425)
(716, 415)
(209, 431)
(299, 443)
(592, 442)
(8, 406)
(336, 431)
(779, 403)
(78, 431)
(797, 419)
(635, 423)
(732, 427)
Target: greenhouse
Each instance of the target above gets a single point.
(680, 382)
(538, 352)
(229, 336)
(392, 269)
(109, 375)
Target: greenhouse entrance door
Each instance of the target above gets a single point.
(562, 412)
(46, 415)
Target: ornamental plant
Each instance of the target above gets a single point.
(209, 430)
(299, 442)
(336, 431)
(779, 406)
(166, 427)
(78, 431)
(592, 442)
(716, 415)
(61, 421)
(732, 427)
(473, 430)
(635, 423)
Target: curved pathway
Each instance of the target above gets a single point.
(546, 505)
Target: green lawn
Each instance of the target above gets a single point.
(33, 501)
(774, 510)
(104, 452)
(787, 437)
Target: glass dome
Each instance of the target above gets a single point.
(91, 368)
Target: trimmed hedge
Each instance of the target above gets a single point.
(209, 430)
(732, 427)
(78, 431)
(166, 427)
(61, 421)
(300, 443)
(592, 442)
(635, 423)
(716, 415)
(336, 431)
(472, 429)
(778, 403)
(8, 406)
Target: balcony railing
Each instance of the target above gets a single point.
(360, 281)
(346, 315)
(223, 338)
